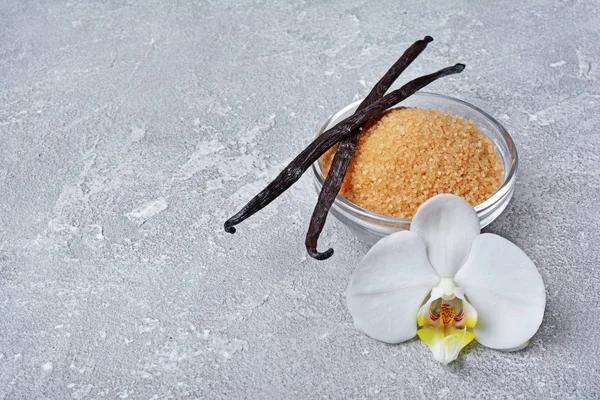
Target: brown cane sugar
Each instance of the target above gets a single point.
(408, 155)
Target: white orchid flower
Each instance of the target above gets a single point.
(448, 284)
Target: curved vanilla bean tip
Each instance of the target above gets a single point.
(229, 227)
(314, 253)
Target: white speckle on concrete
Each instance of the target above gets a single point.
(199, 160)
(137, 133)
(256, 132)
(588, 65)
(98, 231)
(82, 392)
(47, 367)
(148, 325)
(558, 64)
(148, 210)
(214, 184)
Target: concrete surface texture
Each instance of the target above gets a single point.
(131, 130)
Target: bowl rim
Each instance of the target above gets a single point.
(386, 219)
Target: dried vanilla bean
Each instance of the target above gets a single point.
(346, 149)
(294, 170)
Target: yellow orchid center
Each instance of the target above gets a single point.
(441, 327)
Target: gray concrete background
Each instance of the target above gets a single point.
(131, 130)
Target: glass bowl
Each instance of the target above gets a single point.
(370, 226)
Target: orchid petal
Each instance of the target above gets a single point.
(506, 289)
(388, 287)
(448, 225)
(520, 347)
